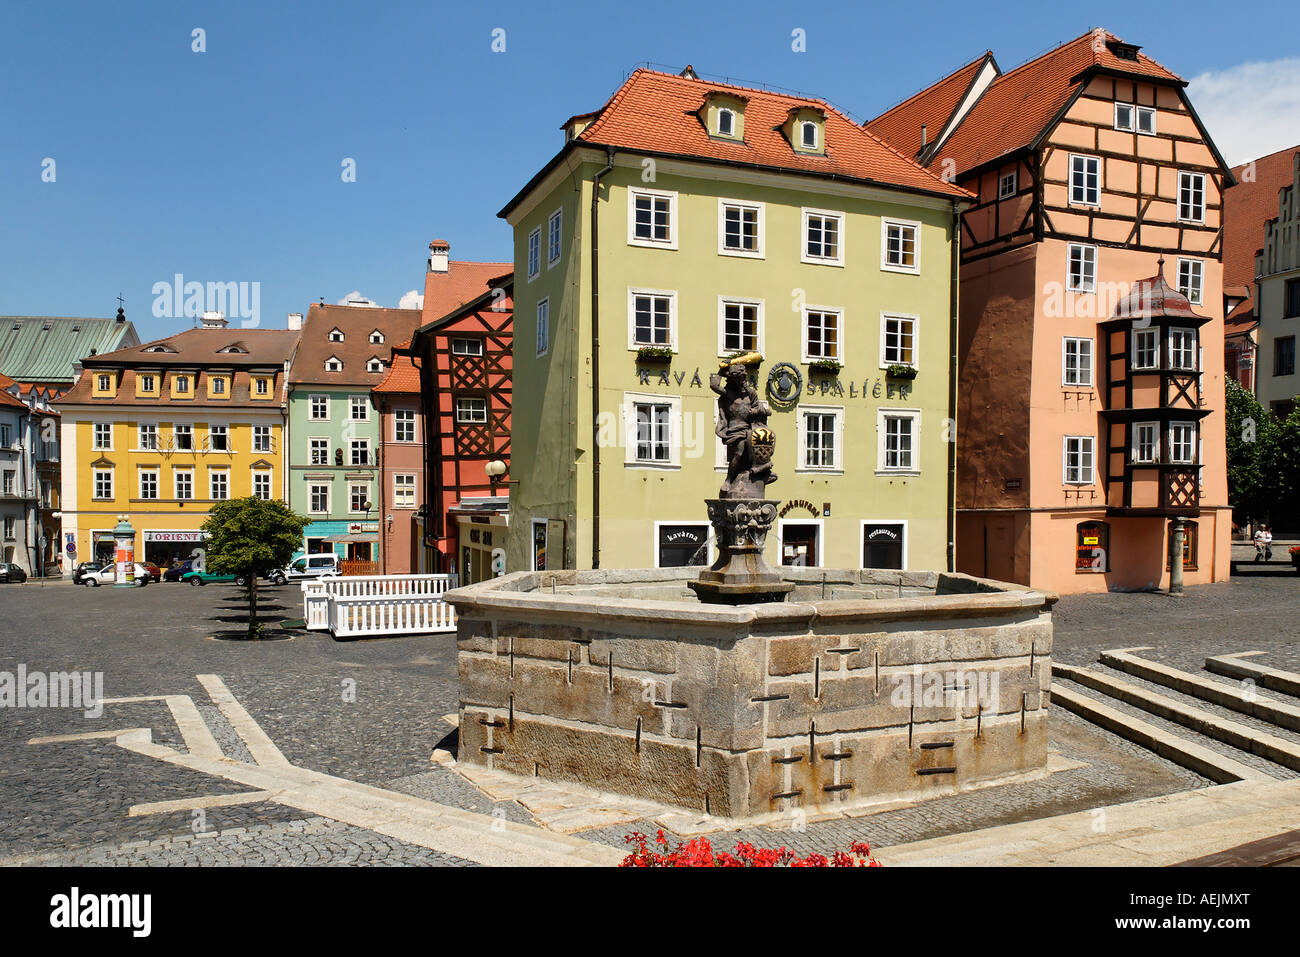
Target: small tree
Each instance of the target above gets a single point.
(248, 537)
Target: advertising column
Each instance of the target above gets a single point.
(124, 553)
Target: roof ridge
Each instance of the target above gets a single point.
(928, 87)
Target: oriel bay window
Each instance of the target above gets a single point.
(1182, 443)
(1146, 348)
(1182, 349)
(1146, 442)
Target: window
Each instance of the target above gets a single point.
(898, 431)
(375, 364)
(1182, 349)
(146, 382)
(467, 347)
(1284, 356)
(5, 436)
(898, 340)
(1091, 547)
(543, 327)
(554, 233)
(808, 135)
(1291, 299)
(740, 228)
(820, 439)
(653, 316)
(741, 327)
(1189, 546)
(9, 481)
(1191, 197)
(1189, 279)
(336, 335)
(319, 408)
(359, 497)
(823, 237)
(360, 452)
(1146, 443)
(534, 253)
(1146, 120)
(262, 484)
(333, 364)
(148, 437)
(821, 333)
(103, 436)
(219, 438)
(1182, 443)
(1124, 116)
(181, 385)
(1085, 180)
(1076, 362)
(104, 383)
(471, 410)
(149, 483)
(1007, 185)
(261, 438)
(376, 337)
(217, 385)
(1146, 348)
(1078, 459)
(183, 484)
(103, 483)
(900, 249)
(651, 219)
(320, 451)
(218, 484)
(1081, 268)
(884, 545)
(318, 499)
(359, 408)
(404, 491)
(404, 425)
(653, 432)
(726, 122)
(680, 546)
(10, 528)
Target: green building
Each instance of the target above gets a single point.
(687, 221)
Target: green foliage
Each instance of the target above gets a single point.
(1263, 461)
(901, 372)
(252, 536)
(654, 354)
(825, 366)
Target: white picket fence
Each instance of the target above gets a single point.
(359, 606)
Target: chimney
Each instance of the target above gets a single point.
(295, 321)
(213, 320)
(439, 253)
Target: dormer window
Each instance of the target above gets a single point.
(723, 114)
(104, 382)
(805, 128)
(376, 338)
(726, 122)
(374, 364)
(334, 364)
(233, 349)
(336, 335)
(808, 135)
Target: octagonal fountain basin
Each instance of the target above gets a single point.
(864, 686)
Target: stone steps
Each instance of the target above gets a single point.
(1233, 666)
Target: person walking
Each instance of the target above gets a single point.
(1263, 544)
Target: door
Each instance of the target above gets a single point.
(800, 544)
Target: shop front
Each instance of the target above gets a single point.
(168, 548)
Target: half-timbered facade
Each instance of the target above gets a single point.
(464, 363)
(1089, 164)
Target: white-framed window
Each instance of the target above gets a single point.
(376, 337)
(183, 484)
(218, 385)
(146, 382)
(261, 438)
(808, 135)
(333, 364)
(360, 452)
(653, 429)
(1182, 443)
(318, 499)
(898, 339)
(218, 484)
(1191, 197)
(740, 228)
(374, 364)
(823, 333)
(1191, 279)
(148, 483)
(740, 326)
(1081, 268)
(320, 451)
(900, 245)
(319, 408)
(898, 434)
(466, 347)
(1085, 180)
(183, 438)
(404, 491)
(104, 382)
(1146, 120)
(336, 335)
(471, 409)
(1124, 117)
(358, 496)
(1146, 348)
(103, 437)
(1007, 185)
(1078, 454)
(103, 483)
(219, 438)
(651, 318)
(1076, 361)
(535, 253)
(359, 408)
(823, 237)
(821, 438)
(404, 425)
(1146, 442)
(543, 327)
(262, 484)
(726, 122)
(1182, 349)
(652, 218)
(554, 237)
(181, 385)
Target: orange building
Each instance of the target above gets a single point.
(1083, 431)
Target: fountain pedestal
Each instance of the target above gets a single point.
(740, 576)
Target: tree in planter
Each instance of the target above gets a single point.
(248, 537)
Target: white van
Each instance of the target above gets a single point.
(308, 566)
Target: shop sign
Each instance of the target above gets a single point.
(794, 503)
(157, 535)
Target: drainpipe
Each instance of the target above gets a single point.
(595, 357)
(955, 247)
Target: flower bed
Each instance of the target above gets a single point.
(698, 852)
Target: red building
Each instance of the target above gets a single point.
(464, 365)
(401, 469)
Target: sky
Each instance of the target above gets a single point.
(312, 150)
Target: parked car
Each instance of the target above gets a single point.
(305, 567)
(155, 573)
(83, 569)
(174, 574)
(207, 577)
(108, 576)
(9, 572)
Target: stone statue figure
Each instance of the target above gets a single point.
(742, 426)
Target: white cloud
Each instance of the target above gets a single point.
(411, 300)
(1251, 109)
(355, 297)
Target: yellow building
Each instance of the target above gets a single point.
(161, 431)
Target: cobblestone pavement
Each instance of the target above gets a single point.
(68, 802)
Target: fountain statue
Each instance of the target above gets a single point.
(741, 514)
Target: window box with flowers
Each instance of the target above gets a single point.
(899, 371)
(698, 852)
(654, 354)
(826, 367)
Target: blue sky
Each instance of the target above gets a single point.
(225, 165)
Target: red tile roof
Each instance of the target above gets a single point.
(402, 377)
(932, 108)
(657, 113)
(463, 282)
(1246, 207)
(5, 397)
